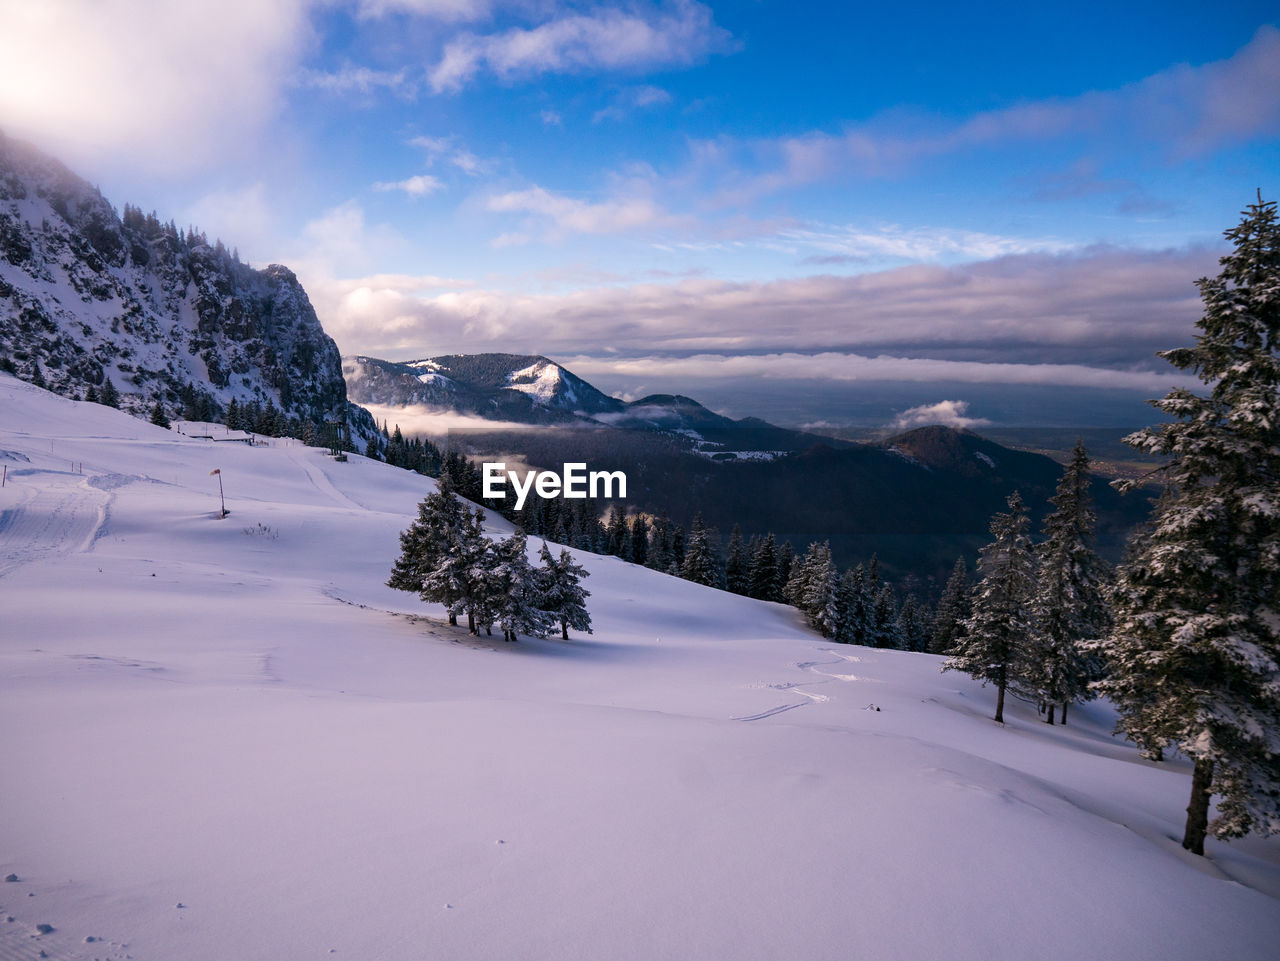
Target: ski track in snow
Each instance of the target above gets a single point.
(771, 712)
(319, 480)
(60, 513)
(813, 698)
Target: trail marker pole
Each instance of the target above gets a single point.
(221, 498)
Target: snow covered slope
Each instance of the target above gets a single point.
(227, 739)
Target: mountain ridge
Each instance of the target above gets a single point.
(89, 295)
(535, 390)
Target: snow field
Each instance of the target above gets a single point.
(238, 716)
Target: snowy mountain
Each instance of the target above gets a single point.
(228, 738)
(515, 388)
(89, 296)
(528, 389)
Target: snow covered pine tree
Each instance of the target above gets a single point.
(995, 634)
(1194, 656)
(427, 544)
(561, 594)
(1070, 604)
(516, 587)
(953, 608)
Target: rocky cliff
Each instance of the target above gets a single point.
(87, 295)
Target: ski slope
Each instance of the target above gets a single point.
(226, 738)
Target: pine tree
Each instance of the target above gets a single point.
(109, 396)
(1070, 605)
(953, 608)
(267, 421)
(460, 580)
(516, 589)
(562, 596)
(37, 375)
(763, 576)
(814, 587)
(588, 532)
(638, 535)
(854, 604)
(996, 631)
(884, 619)
(677, 547)
(660, 555)
(737, 576)
(793, 587)
(426, 542)
(786, 555)
(912, 626)
(701, 561)
(91, 394)
(615, 531)
(1193, 659)
(157, 415)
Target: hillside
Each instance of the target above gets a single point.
(228, 739)
(89, 296)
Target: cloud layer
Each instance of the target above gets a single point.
(1104, 306)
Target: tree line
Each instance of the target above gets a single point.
(1029, 622)
(1186, 641)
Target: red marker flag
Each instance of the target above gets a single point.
(216, 470)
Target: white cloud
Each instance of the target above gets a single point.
(849, 244)
(168, 87)
(416, 420)
(242, 217)
(631, 99)
(432, 145)
(948, 413)
(340, 240)
(355, 79)
(678, 33)
(418, 186)
(572, 215)
(469, 163)
(446, 10)
(511, 238)
(453, 153)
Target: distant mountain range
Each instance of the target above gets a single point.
(918, 499)
(533, 390)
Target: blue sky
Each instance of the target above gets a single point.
(667, 194)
